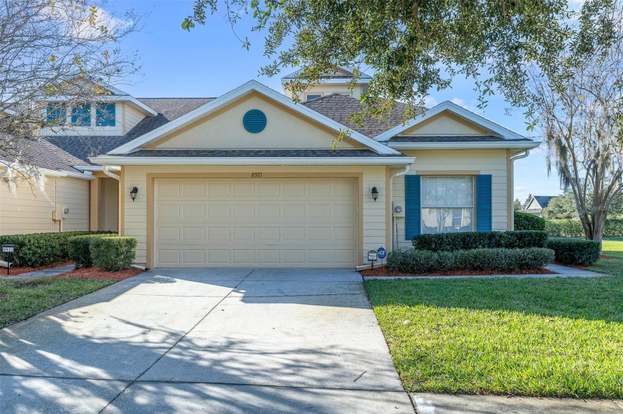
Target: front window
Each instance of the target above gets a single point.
(81, 115)
(447, 204)
(56, 114)
(105, 114)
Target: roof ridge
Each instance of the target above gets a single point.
(176, 97)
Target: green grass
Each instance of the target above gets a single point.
(560, 337)
(19, 301)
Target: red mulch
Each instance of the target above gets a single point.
(24, 269)
(100, 274)
(382, 271)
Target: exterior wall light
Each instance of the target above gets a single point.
(374, 192)
(133, 193)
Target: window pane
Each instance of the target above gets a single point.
(81, 115)
(312, 97)
(56, 114)
(105, 114)
(446, 220)
(447, 192)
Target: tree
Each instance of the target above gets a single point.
(60, 48)
(410, 47)
(517, 206)
(561, 207)
(579, 106)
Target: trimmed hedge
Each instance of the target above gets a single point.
(573, 228)
(38, 249)
(113, 253)
(494, 260)
(527, 221)
(475, 240)
(80, 249)
(572, 251)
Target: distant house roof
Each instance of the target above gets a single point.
(543, 200)
(341, 72)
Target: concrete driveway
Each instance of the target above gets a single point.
(205, 340)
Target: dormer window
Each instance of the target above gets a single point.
(56, 114)
(81, 115)
(312, 97)
(105, 114)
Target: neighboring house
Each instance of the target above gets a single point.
(536, 204)
(252, 178)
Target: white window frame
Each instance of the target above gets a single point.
(422, 207)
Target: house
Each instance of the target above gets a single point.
(254, 178)
(536, 204)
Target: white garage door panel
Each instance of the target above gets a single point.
(262, 222)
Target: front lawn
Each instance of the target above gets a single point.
(560, 337)
(19, 301)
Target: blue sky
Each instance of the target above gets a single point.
(209, 61)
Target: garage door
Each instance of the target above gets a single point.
(254, 222)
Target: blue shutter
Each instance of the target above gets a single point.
(483, 202)
(412, 206)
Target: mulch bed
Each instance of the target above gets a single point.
(25, 269)
(96, 273)
(383, 271)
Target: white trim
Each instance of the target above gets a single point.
(236, 93)
(109, 98)
(120, 160)
(457, 109)
(465, 145)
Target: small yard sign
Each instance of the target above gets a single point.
(8, 250)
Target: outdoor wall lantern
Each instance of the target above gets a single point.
(374, 192)
(133, 193)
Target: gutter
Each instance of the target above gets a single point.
(124, 160)
(463, 145)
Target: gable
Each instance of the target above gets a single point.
(446, 123)
(224, 129)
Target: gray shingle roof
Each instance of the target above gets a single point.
(449, 138)
(341, 107)
(85, 146)
(544, 200)
(43, 154)
(257, 153)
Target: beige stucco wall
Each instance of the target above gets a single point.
(284, 130)
(372, 214)
(29, 208)
(460, 162)
(446, 123)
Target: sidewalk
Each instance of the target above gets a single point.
(40, 274)
(426, 403)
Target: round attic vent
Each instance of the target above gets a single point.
(254, 121)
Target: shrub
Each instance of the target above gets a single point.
(113, 253)
(527, 221)
(571, 251)
(495, 260)
(80, 249)
(38, 249)
(573, 228)
(474, 240)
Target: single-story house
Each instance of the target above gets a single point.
(255, 178)
(536, 204)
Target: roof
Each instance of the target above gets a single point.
(257, 153)
(85, 146)
(234, 94)
(450, 106)
(342, 107)
(43, 154)
(341, 73)
(450, 138)
(543, 200)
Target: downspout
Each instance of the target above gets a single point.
(108, 171)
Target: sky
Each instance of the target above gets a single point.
(210, 60)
